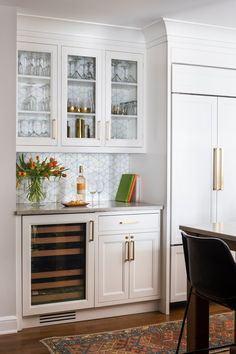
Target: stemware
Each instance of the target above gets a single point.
(92, 188)
(100, 187)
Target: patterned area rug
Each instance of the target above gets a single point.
(159, 339)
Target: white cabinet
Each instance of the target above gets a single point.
(124, 104)
(203, 168)
(178, 286)
(37, 95)
(128, 262)
(58, 263)
(203, 178)
(101, 105)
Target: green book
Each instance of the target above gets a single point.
(124, 188)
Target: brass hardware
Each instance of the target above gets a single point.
(54, 131)
(91, 230)
(131, 251)
(218, 172)
(221, 170)
(128, 222)
(126, 251)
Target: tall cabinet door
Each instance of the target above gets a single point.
(226, 198)
(194, 133)
(36, 95)
(124, 97)
(81, 97)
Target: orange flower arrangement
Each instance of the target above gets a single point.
(36, 171)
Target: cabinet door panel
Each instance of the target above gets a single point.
(36, 95)
(178, 285)
(113, 270)
(193, 138)
(145, 268)
(226, 199)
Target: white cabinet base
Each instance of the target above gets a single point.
(92, 314)
(178, 285)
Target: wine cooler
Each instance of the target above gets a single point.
(57, 263)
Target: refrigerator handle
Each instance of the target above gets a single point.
(221, 170)
(218, 170)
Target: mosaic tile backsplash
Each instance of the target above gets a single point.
(97, 167)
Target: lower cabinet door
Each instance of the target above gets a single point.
(178, 285)
(144, 265)
(113, 268)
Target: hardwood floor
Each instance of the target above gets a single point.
(27, 341)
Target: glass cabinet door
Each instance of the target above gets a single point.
(57, 263)
(36, 95)
(124, 108)
(81, 123)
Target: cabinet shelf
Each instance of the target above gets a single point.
(123, 116)
(34, 112)
(124, 83)
(81, 80)
(33, 77)
(72, 114)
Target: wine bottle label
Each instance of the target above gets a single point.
(80, 187)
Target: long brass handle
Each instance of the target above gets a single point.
(221, 187)
(218, 170)
(91, 230)
(126, 251)
(131, 251)
(54, 128)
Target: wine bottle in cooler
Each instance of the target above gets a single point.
(81, 185)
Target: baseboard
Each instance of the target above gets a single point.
(8, 324)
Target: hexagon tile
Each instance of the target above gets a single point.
(107, 168)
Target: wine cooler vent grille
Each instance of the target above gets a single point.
(57, 317)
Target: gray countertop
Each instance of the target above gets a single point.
(107, 206)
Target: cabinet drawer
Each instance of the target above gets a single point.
(128, 222)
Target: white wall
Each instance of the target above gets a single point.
(7, 158)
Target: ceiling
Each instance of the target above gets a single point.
(131, 13)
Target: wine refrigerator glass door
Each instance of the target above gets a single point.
(57, 263)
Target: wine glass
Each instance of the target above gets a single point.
(92, 188)
(100, 187)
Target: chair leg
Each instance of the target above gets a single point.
(184, 319)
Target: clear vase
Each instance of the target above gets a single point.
(36, 192)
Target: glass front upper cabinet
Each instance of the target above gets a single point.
(123, 95)
(81, 97)
(36, 95)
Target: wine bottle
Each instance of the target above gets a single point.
(81, 185)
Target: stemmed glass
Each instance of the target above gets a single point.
(100, 187)
(92, 188)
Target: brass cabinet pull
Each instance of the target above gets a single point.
(126, 251)
(221, 170)
(218, 173)
(91, 230)
(129, 222)
(131, 251)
